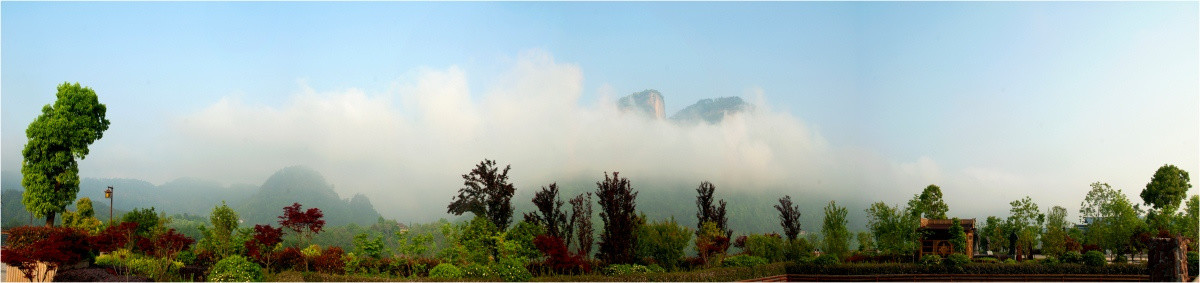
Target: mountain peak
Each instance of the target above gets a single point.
(647, 102)
(712, 110)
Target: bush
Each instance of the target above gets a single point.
(445, 271)
(770, 246)
(1120, 259)
(743, 261)
(475, 270)
(1093, 258)
(931, 259)
(1010, 261)
(1072, 257)
(235, 269)
(625, 269)
(825, 259)
(330, 261)
(1193, 263)
(974, 268)
(654, 268)
(956, 260)
(511, 270)
(663, 241)
(1049, 260)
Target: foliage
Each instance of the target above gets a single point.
(112, 238)
(865, 242)
(56, 138)
(413, 246)
(1049, 260)
(625, 269)
(771, 246)
(146, 219)
(365, 245)
(1027, 222)
(54, 246)
(550, 213)
(664, 242)
(956, 261)
(826, 259)
(1094, 258)
(303, 222)
(558, 258)
(1167, 189)
(511, 270)
(929, 203)
(170, 243)
(930, 259)
(958, 238)
(261, 246)
(330, 261)
(224, 222)
(837, 237)
(235, 268)
(617, 210)
(711, 243)
(487, 193)
(972, 268)
(475, 270)
(1072, 257)
(706, 211)
(895, 230)
(1115, 217)
(1054, 241)
(995, 234)
(581, 216)
(522, 236)
(83, 217)
(445, 271)
(789, 217)
(743, 261)
(723, 274)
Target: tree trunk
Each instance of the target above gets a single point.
(50, 219)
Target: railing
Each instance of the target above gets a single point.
(953, 278)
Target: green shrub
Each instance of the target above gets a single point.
(931, 259)
(1010, 261)
(156, 268)
(956, 260)
(625, 269)
(974, 268)
(445, 271)
(1120, 259)
(235, 269)
(1093, 258)
(664, 241)
(1072, 257)
(654, 268)
(988, 260)
(511, 270)
(475, 270)
(770, 247)
(1193, 263)
(1049, 260)
(743, 261)
(826, 259)
(186, 257)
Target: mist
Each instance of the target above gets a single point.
(406, 148)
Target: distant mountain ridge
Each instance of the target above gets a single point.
(254, 204)
(651, 104)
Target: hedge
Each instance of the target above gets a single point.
(973, 268)
(725, 274)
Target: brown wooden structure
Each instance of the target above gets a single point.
(936, 237)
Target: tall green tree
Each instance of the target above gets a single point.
(1191, 219)
(958, 236)
(1026, 219)
(895, 230)
(224, 222)
(1114, 218)
(1055, 239)
(996, 231)
(929, 203)
(837, 237)
(1164, 194)
(57, 138)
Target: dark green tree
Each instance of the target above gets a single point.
(958, 237)
(1055, 239)
(706, 211)
(550, 214)
(486, 193)
(789, 217)
(57, 138)
(1164, 194)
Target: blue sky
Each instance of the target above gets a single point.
(1023, 98)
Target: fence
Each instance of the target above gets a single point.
(13, 274)
(953, 278)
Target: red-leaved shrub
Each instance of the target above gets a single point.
(166, 245)
(558, 258)
(113, 237)
(330, 261)
(288, 258)
(54, 246)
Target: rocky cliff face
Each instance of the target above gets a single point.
(711, 111)
(648, 102)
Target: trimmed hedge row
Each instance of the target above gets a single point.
(973, 268)
(725, 274)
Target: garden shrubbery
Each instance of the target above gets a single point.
(971, 268)
(445, 271)
(235, 269)
(743, 261)
(1094, 258)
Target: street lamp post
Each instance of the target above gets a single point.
(108, 194)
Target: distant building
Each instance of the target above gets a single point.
(1087, 221)
(936, 236)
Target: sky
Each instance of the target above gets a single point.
(991, 101)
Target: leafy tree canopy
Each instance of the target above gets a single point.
(57, 137)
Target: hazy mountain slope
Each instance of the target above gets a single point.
(298, 184)
(649, 103)
(711, 110)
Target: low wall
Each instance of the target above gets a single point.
(953, 278)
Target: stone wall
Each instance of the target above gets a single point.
(1167, 260)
